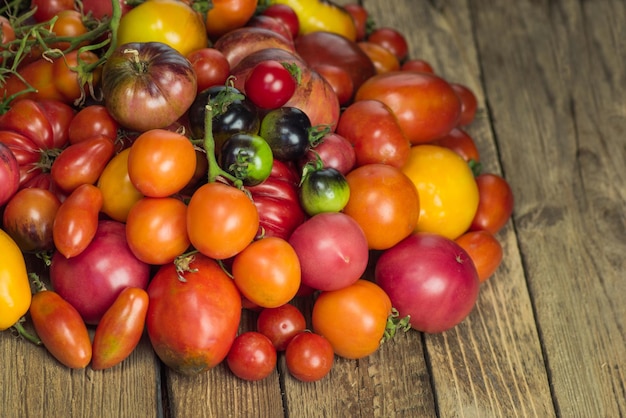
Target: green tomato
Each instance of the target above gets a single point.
(323, 190)
(248, 157)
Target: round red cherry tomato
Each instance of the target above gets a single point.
(495, 203)
(309, 357)
(270, 85)
(281, 324)
(252, 356)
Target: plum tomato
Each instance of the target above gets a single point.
(447, 190)
(270, 84)
(485, 251)
(281, 324)
(119, 194)
(469, 103)
(392, 40)
(332, 250)
(248, 157)
(309, 357)
(286, 130)
(495, 203)
(429, 278)
(267, 272)
(252, 356)
(211, 67)
(193, 316)
(384, 202)
(323, 189)
(363, 307)
(221, 220)
(161, 162)
(90, 121)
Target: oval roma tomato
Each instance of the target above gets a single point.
(447, 190)
(426, 105)
(119, 194)
(193, 316)
(171, 22)
(363, 308)
(384, 202)
(221, 220)
(495, 203)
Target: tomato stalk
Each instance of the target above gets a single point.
(395, 323)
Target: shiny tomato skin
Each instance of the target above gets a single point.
(99, 9)
(47, 9)
(90, 121)
(335, 151)
(309, 357)
(193, 322)
(269, 85)
(61, 329)
(227, 15)
(417, 64)
(392, 40)
(495, 204)
(469, 103)
(9, 174)
(281, 324)
(161, 162)
(286, 15)
(156, 229)
(426, 105)
(120, 328)
(252, 356)
(28, 218)
(459, 141)
(383, 59)
(384, 202)
(339, 79)
(119, 194)
(211, 67)
(363, 308)
(485, 251)
(221, 220)
(171, 22)
(360, 15)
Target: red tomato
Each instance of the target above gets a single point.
(61, 329)
(339, 79)
(156, 229)
(76, 220)
(417, 64)
(392, 40)
(373, 130)
(495, 203)
(28, 218)
(363, 308)
(360, 16)
(252, 356)
(99, 9)
(221, 220)
(286, 15)
(309, 357)
(211, 67)
(193, 316)
(120, 328)
(161, 162)
(9, 174)
(267, 272)
(47, 9)
(384, 202)
(280, 324)
(485, 251)
(426, 105)
(90, 121)
(384, 60)
(270, 85)
(469, 103)
(462, 143)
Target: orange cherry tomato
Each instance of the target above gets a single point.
(267, 272)
(384, 202)
(485, 251)
(226, 15)
(156, 229)
(119, 194)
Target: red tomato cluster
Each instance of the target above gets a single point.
(278, 164)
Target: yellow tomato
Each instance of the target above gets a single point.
(446, 187)
(118, 192)
(15, 294)
(320, 15)
(171, 22)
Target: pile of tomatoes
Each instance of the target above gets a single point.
(174, 165)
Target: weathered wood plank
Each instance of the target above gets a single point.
(554, 77)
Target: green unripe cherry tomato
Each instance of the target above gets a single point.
(247, 157)
(323, 190)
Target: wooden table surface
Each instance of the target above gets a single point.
(547, 337)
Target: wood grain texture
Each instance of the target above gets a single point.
(548, 335)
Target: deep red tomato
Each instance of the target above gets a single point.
(417, 64)
(120, 328)
(309, 357)
(211, 67)
(99, 9)
(193, 316)
(161, 162)
(90, 121)
(383, 59)
(28, 218)
(76, 220)
(9, 173)
(392, 40)
(280, 324)
(485, 251)
(360, 16)
(221, 220)
(495, 203)
(339, 79)
(270, 85)
(267, 272)
(469, 103)
(426, 105)
(363, 308)
(286, 15)
(47, 9)
(252, 356)
(61, 329)
(156, 229)
(462, 143)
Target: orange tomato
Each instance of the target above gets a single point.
(485, 251)
(384, 60)
(118, 192)
(384, 202)
(226, 15)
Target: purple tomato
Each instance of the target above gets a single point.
(9, 174)
(335, 151)
(431, 278)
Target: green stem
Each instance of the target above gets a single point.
(215, 170)
(25, 334)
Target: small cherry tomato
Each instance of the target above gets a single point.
(248, 157)
(286, 15)
(120, 328)
(485, 251)
(252, 356)
(270, 85)
(286, 130)
(119, 194)
(61, 329)
(383, 59)
(267, 272)
(280, 324)
(211, 67)
(417, 64)
(323, 190)
(309, 357)
(469, 103)
(462, 143)
(495, 204)
(392, 40)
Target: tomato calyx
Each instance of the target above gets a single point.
(395, 323)
(183, 264)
